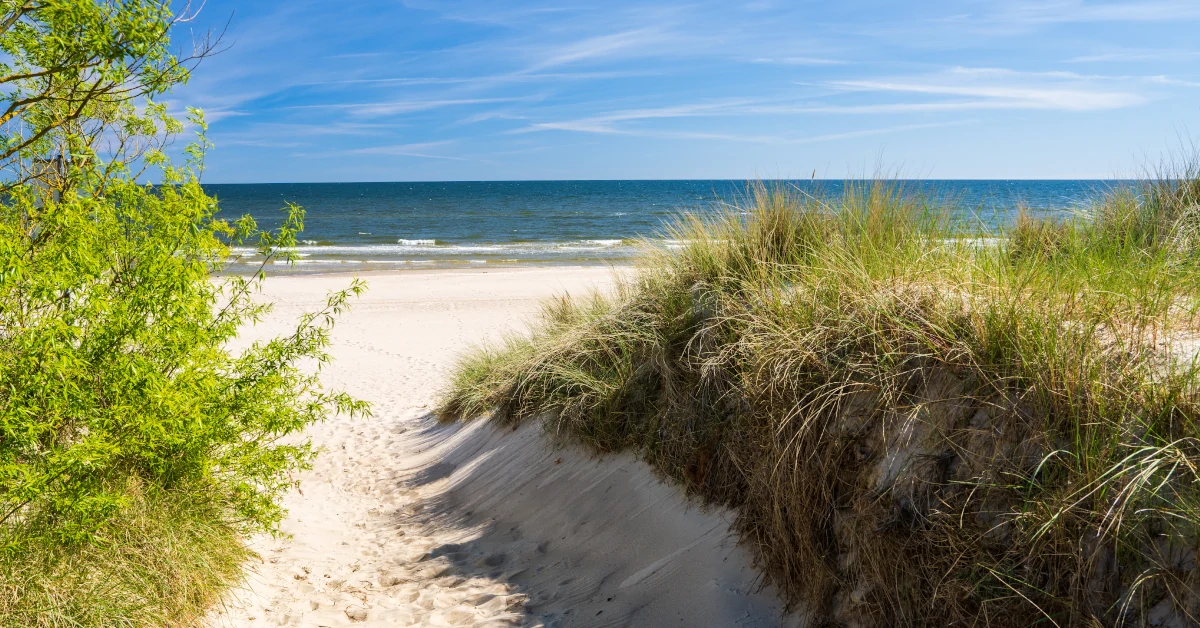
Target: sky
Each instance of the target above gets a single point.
(433, 90)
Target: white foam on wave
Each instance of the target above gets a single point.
(404, 249)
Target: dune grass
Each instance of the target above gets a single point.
(915, 424)
(165, 560)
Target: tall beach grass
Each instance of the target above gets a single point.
(916, 425)
(166, 560)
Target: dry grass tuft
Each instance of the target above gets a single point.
(164, 561)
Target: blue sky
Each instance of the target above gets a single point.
(374, 90)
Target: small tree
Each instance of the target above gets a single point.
(70, 72)
(115, 325)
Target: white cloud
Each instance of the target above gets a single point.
(214, 115)
(492, 80)
(799, 61)
(957, 89)
(257, 143)
(1136, 55)
(416, 149)
(1009, 96)
(775, 139)
(1166, 80)
(1060, 11)
(869, 132)
(330, 128)
(602, 46)
(398, 107)
(997, 88)
(603, 123)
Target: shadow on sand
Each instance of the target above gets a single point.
(586, 541)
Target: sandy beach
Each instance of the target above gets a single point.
(402, 521)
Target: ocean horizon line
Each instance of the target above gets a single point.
(693, 180)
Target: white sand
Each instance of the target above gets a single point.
(406, 522)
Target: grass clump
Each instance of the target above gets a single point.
(164, 560)
(916, 425)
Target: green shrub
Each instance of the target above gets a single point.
(115, 360)
(139, 439)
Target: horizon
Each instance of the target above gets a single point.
(468, 91)
(735, 179)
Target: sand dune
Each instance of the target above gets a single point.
(403, 521)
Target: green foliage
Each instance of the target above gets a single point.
(70, 70)
(139, 438)
(115, 359)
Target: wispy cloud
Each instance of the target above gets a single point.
(1166, 80)
(394, 81)
(799, 61)
(955, 25)
(484, 116)
(1060, 11)
(829, 137)
(257, 143)
(399, 107)
(1007, 97)
(604, 123)
(414, 149)
(483, 81)
(994, 88)
(1126, 56)
(773, 139)
(333, 128)
(212, 115)
(960, 89)
(492, 14)
(602, 46)
(418, 149)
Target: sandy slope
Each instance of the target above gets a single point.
(406, 522)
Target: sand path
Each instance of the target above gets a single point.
(402, 522)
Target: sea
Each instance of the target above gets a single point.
(368, 226)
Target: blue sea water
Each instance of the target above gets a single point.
(351, 226)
